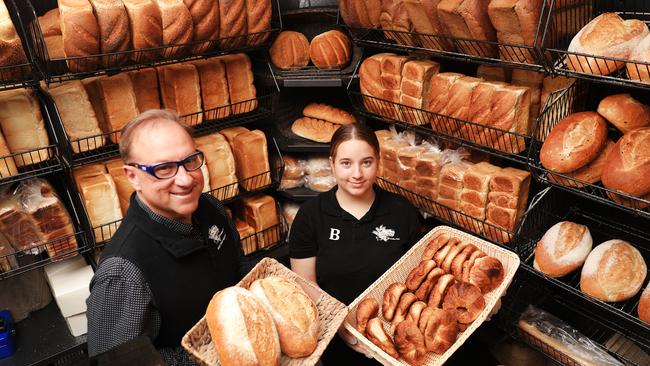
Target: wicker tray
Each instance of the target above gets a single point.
(400, 270)
(331, 313)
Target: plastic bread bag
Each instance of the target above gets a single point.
(289, 211)
(293, 168)
(566, 339)
(291, 183)
(17, 225)
(317, 166)
(320, 184)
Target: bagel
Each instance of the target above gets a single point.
(486, 273)
(440, 331)
(424, 290)
(457, 263)
(418, 274)
(465, 300)
(391, 299)
(434, 245)
(438, 292)
(367, 309)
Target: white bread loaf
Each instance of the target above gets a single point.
(205, 17)
(50, 23)
(23, 127)
(95, 97)
(624, 112)
(510, 111)
(240, 83)
(261, 213)
(259, 20)
(628, 165)
(180, 89)
(122, 185)
(145, 22)
(439, 91)
(242, 329)
(177, 26)
(563, 249)
(118, 101)
(11, 49)
(114, 31)
(252, 159)
(457, 105)
(102, 204)
(391, 81)
(220, 163)
(146, 87)
(231, 132)
(246, 236)
(469, 19)
(214, 88)
(424, 18)
(394, 17)
(614, 271)
(493, 73)
(415, 87)
(80, 31)
(294, 313)
(232, 23)
(516, 23)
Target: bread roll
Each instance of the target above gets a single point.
(80, 31)
(465, 300)
(424, 291)
(147, 92)
(392, 296)
(469, 19)
(644, 305)
(418, 274)
(205, 17)
(624, 112)
(232, 23)
(242, 330)
(641, 53)
(290, 50)
(177, 26)
(251, 155)
(114, 32)
(294, 313)
(439, 290)
(214, 88)
(330, 50)
(259, 20)
(563, 249)
(360, 13)
(607, 35)
(328, 113)
(23, 127)
(402, 309)
(50, 23)
(180, 90)
(574, 142)
(314, 129)
(614, 271)
(240, 83)
(516, 23)
(440, 330)
(628, 166)
(145, 21)
(590, 173)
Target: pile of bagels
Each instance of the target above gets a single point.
(440, 298)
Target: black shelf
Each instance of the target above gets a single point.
(299, 194)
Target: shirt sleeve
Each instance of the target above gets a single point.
(120, 306)
(302, 236)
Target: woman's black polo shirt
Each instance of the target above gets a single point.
(351, 254)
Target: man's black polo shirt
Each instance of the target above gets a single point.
(351, 254)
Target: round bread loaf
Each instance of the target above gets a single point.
(294, 313)
(290, 50)
(624, 112)
(330, 50)
(628, 166)
(563, 249)
(574, 142)
(614, 271)
(644, 305)
(242, 329)
(641, 53)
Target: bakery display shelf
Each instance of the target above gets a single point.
(589, 66)
(271, 238)
(299, 194)
(34, 163)
(566, 102)
(78, 67)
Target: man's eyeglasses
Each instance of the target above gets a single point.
(169, 169)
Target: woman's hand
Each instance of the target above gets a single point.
(353, 343)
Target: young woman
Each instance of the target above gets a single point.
(346, 238)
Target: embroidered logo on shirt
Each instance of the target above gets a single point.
(382, 233)
(217, 235)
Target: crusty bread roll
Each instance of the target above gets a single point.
(50, 23)
(145, 21)
(440, 329)
(232, 22)
(641, 53)
(624, 112)
(290, 50)
(114, 31)
(590, 173)
(294, 313)
(330, 50)
(259, 20)
(242, 330)
(486, 273)
(423, 292)
(205, 17)
(469, 19)
(563, 249)
(80, 31)
(440, 289)
(418, 274)
(177, 26)
(628, 166)
(314, 129)
(402, 309)
(465, 300)
(328, 113)
(574, 142)
(360, 13)
(614, 271)
(607, 35)
(644, 305)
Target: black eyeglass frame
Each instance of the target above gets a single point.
(151, 169)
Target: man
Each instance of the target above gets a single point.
(174, 249)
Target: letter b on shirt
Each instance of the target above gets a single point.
(335, 234)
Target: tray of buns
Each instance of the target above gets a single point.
(604, 40)
(199, 344)
(435, 296)
(608, 162)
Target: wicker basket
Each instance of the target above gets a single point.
(331, 313)
(400, 270)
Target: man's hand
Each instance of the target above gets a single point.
(353, 343)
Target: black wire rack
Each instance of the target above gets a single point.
(78, 67)
(19, 75)
(554, 206)
(565, 102)
(494, 53)
(40, 254)
(568, 21)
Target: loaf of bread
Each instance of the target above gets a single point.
(424, 17)
(259, 21)
(328, 113)
(180, 89)
(360, 14)
(233, 25)
(220, 162)
(118, 102)
(469, 19)
(23, 127)
(314, 129)
(95, 96)
(214, 88)
(330, 50)
(246, 236)
(415, 87)
(177, 26)
(231, 132)
(294, 313)
(145, 22)
(516, 23)
(19, 227)
(122, 185)
(551, 84)
(394, 17)
(457, 105)
(50, 23)
(590, 173)
(7, 258)
(438, 96)
(628, 166)
(391, 81)
(78, 116)
(290, 50)
(54, 46)
(240, 83)
(563, 249)
(607, 35)
(261, 213)
(242, 330)
(11, 49)
(102, 204)
(370, 82)
(80, 31)
(252, 159)
(146, 87)
(494, 73)
(114, 31)
(624, 112)
(641, 53)
(574, 142)
(507, 200)
(614, 271)
(205, 17)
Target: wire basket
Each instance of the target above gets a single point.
(569, 20)
(400, 270)
(331, 312)
(67, 68)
